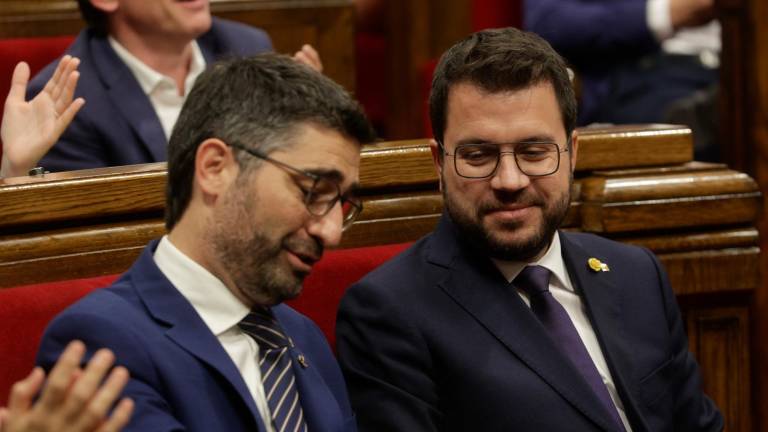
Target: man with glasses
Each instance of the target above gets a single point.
(262, 170)
(497, 321)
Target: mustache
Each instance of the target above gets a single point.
(504, 199)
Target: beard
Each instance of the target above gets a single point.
(471, 226)
(254, 261)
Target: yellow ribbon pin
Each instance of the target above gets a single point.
(597, 266)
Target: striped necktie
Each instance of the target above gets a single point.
(276, 370)
(534, 280)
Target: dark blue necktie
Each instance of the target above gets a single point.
(276, 370)
(534, 280)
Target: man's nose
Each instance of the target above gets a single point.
(508, 175)
(327, 228)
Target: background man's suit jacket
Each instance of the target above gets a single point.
(118, 125)
(181, 376)
(436, 339)
(623, 75)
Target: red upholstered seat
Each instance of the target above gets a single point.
(37, 52)
(331, 276)
(25, 311)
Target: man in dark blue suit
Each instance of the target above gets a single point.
(497, 321)
(139, 60)
(261, 167)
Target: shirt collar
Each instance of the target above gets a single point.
(149, 78)
(551, 260)
(214, 302)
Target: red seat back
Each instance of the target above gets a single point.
(24, 314)
(25, 311)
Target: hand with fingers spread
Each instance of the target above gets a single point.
(30, 128)
(310, 57)
(73, 399)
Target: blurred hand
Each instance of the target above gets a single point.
(73, 400)
(30, 129)
(691, 13)
(309, 57)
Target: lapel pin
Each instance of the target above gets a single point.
(302, 361)
(597, 266)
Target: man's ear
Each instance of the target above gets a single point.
(437, 156)
(574, 149)
(106, 6)
(215, 168)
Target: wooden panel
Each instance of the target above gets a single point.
(326, 24)
(743, 100)
(718, 338)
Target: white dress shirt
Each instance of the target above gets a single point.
(221, 311)
(703, 41)
(562, 289)
(162, 90)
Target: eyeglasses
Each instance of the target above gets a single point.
(321, 195)
(480, 160)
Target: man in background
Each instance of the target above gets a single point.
(139, 62)
(497, 320)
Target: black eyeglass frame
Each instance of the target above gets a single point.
(512, 152)
(357, 206)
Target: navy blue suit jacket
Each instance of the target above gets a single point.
(624, 78)
(437, 340)
(181, 376)
(118, 125)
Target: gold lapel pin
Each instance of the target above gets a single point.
(302, 361)
(597, 266)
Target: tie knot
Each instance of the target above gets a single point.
(262, 326)
(533, 280)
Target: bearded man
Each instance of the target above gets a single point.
(497, 321)
(262, 167)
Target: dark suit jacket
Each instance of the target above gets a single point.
(623, 75)
(436, 339)
(118, 125)
(181, 376)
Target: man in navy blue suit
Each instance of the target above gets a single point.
(498, 321)
(139, 60)
(262, 164)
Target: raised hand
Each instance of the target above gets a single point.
(73, 399)
(30, 128)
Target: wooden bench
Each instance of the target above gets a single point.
(633, 184)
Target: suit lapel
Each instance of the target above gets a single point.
(479, 288)
(186, 328)
(127, 96)
(603, 301)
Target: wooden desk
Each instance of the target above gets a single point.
(634, 184)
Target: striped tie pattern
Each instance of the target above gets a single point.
(276, 371)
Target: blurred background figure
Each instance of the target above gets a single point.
(639, 61)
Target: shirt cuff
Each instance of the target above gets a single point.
(659, 21)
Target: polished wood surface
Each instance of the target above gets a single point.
(328, 25)
(744, 140)
(698, 218)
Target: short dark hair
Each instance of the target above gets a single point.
(259, 102)
(97, 20)
(498, 60)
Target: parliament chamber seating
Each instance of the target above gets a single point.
(634, 184)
